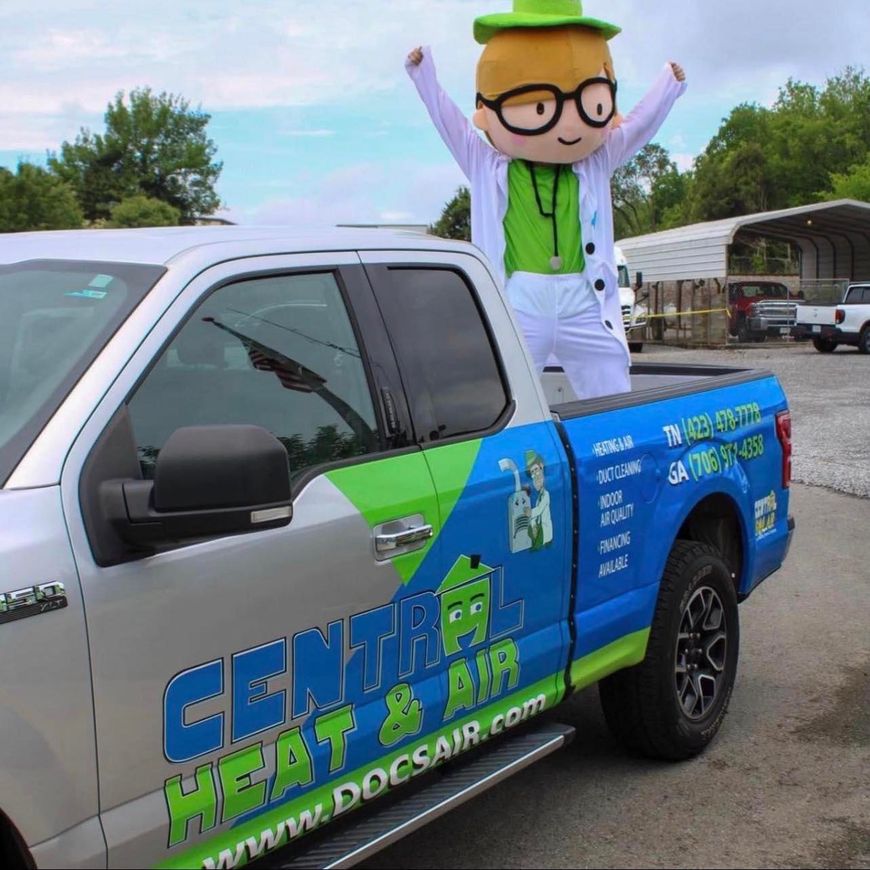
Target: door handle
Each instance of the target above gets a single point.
(386, 543)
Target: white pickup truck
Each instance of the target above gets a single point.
(829, 326)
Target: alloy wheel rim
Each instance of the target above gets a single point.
(701, 651)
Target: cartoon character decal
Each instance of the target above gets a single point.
(529, 527)
(540, 519)
(519, 505)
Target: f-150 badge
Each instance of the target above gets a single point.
(32, 601)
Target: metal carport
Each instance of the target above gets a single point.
(686, 270)
(833, 237)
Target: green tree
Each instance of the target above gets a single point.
(144, 211)
(34, 199)
(154, 145)
(854, 184)
(784, 156)
(643, 190)
(455, 220)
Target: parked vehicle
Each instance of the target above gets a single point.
(287, 522)
(634, 311)
(830, 326)
(758, 309)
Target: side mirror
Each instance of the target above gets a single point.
(638, 280)
(209, 480)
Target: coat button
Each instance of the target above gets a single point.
(599, 284)
(590, 248)
(608, 324)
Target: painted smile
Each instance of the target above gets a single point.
(574, 142)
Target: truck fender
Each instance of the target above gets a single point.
(674, 512)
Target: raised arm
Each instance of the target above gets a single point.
(643, 122)
(460, 136)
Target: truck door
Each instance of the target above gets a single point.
(239, 681)
(502, 570)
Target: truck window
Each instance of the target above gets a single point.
(55, 317)
(277, 352)
(624, 277)
(449, 367)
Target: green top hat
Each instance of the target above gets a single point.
(539, 13)
(533, 458)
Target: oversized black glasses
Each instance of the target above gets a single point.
(533, 110)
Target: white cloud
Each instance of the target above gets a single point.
(684, 161)
(362, 193)
(62, 61)
(309, 52)
(316, 134)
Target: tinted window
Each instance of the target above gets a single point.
(55, 317)
(765, 291)
(445, 352)
(275, 352)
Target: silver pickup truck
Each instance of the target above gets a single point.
(288, 523)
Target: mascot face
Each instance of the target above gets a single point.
(547, 95)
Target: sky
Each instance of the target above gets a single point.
(312, 112)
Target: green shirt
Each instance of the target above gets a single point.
(528, 234)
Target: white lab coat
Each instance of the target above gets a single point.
(487, 172)
(541, 514)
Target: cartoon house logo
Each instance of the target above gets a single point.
(465, 604)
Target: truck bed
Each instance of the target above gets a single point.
(650, 382)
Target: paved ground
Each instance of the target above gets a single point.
(786, 782)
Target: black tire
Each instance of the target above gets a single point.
(743, 334)
(864, 340)
(824, 345)
(643, 705)
(635, 346)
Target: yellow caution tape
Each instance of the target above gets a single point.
(684, 313)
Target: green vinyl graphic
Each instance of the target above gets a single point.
(622, 653)
(288, 822)
(373, 486)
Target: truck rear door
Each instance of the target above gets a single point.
(252, 687)
(502, 570)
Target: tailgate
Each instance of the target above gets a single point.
(816, 315)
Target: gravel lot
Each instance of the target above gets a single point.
(785, 784)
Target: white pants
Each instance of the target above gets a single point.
(561, 321)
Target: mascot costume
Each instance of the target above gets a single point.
(540, 189)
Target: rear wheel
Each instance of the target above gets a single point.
(824, 345)
(672, 704)
(864, 340)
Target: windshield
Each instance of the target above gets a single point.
(624, 279)
(765, 291)
(55, 317)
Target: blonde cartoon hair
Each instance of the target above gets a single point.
(562, 56)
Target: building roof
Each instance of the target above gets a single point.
(163, 245)
(833, 236)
